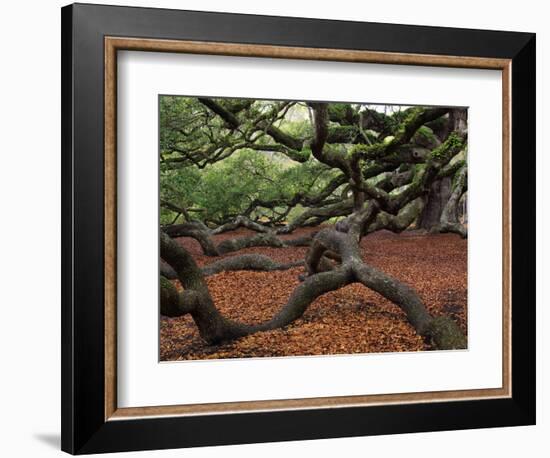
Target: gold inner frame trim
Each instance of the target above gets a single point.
(114, 44)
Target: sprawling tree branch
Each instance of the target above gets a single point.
(247, 262)
(377, 170)
(204, 236)
(214, 327)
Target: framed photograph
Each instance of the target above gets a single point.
(281, 228)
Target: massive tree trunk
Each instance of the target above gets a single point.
(441, 190)
(449, 217)
(435, 202)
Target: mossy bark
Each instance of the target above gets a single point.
(449, 221)
(256, 262)
(435, 201)
(323, 276)
(333, 260)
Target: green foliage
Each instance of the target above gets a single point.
(178, 187)
(297, 122)
(424, 135)
(181, 122)
(220, 157)
(345, 134)
(341, 112)
(447, 148)
(225, 189)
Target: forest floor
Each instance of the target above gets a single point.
(353, 319)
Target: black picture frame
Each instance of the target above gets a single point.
(84, 428)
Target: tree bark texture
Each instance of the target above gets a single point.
(214, 327)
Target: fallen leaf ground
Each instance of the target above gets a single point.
(353, 319)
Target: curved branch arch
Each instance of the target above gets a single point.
(214, 327)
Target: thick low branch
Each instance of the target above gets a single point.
(341, 208)
(442, 331)
(174, 303)
(240, 221)
(167, 272)
(195, 230)
(247, 262)
(204, 236)
(214, 327)
(397, 223)
(239, 243)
